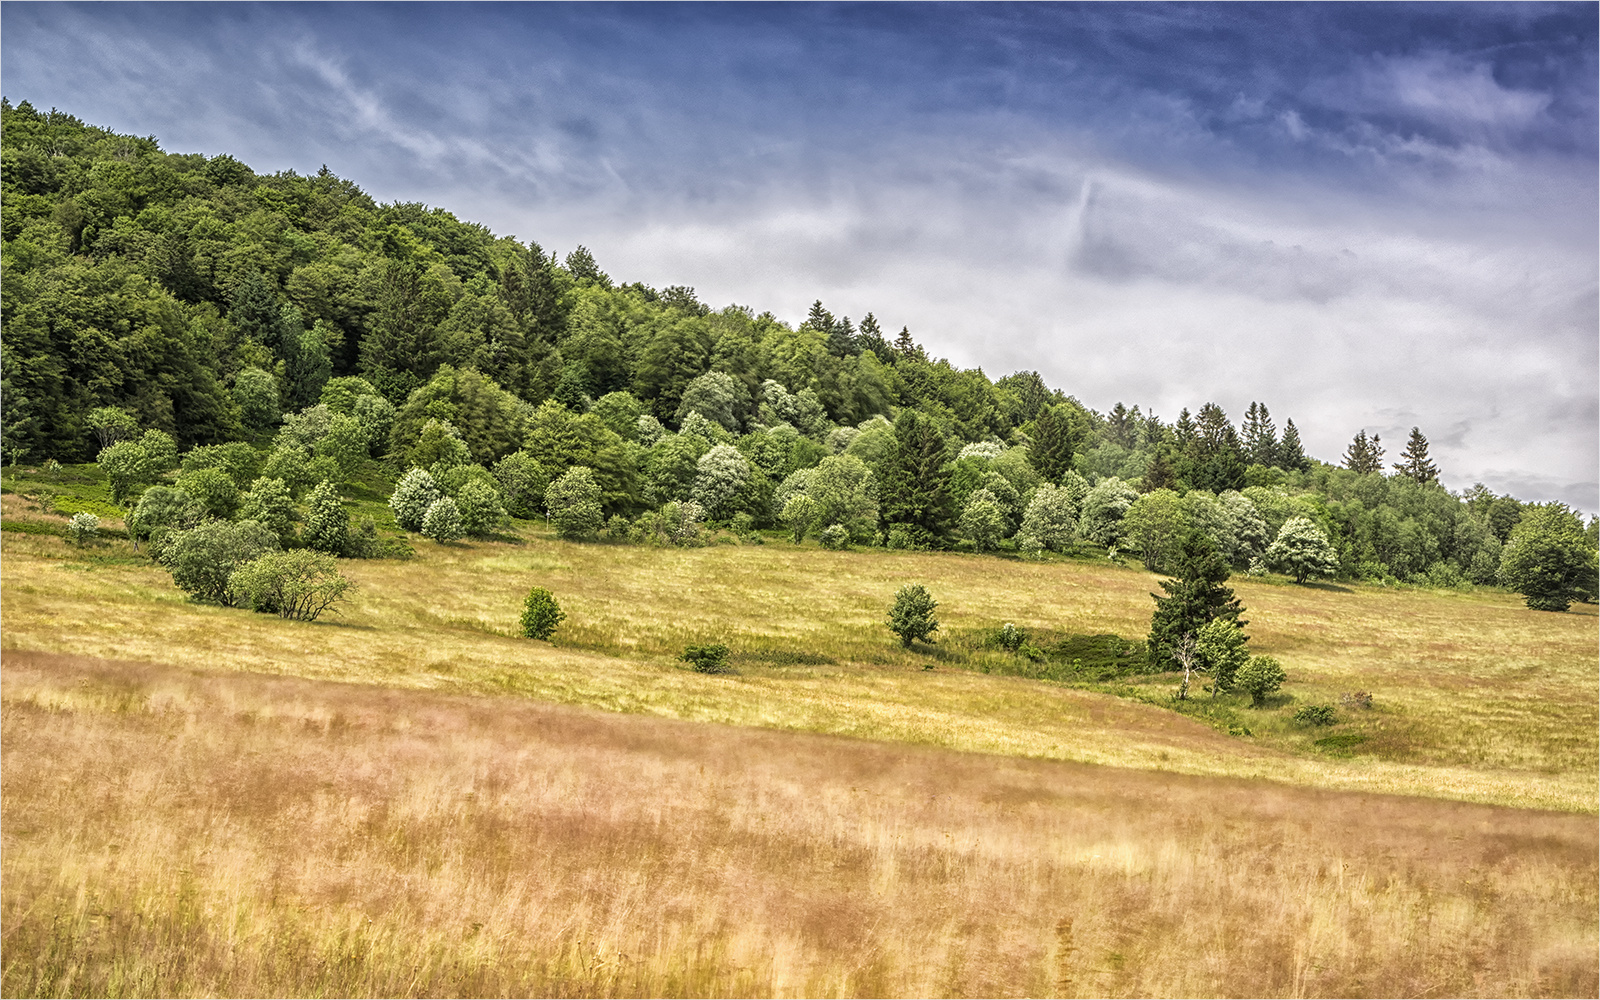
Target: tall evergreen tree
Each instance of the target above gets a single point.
(1195, 596)
(1120, 426)
(1291, 455)
(1260, 436)
(1416, 464)
(870, 338)
(1364, 454)
(1050, 452)
(915, 483)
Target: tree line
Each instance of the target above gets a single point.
(162, 308)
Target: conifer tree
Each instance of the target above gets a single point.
(1291, 455)
(1416, 464)
(1260, 436)
(1196, 596)
(1050, 453)
(1364, 454)
(915, 483)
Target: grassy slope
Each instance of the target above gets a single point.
(1476, 697)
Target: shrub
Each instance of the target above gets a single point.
(213, 489)
(1260, 677)
(82, 529)
(911, 616)
(1316, 715)
(481, 510)
(899, 538)
(162, 510)
(203, 558)
(1548, 559)
(541, 614)
(573, 502)
(442, 522)
(835, 536)
(1356, 699)
(412, 497)
(327, 521)
(1221, 651)
(299, 584)
(1011, 638)
(707, 659)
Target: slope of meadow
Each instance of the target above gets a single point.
(421, 803)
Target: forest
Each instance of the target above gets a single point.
(229, 345)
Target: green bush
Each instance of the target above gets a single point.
(573, 502)
(1260, 677)
(203, 558)
(1011, 638)
(412, 497)
(442, 523)
(541, 614)
(835, 536)
(911, 616)
(1316, 715)
(82, 529)
(299, 584)
(711, 659)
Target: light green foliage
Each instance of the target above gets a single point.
(541, 614)
(439, 445)
(480, 506)
(1221, 650)
(269, 502)
(127, 467)
(874, 441)
(238, 460)
(620, 411)
(718, 397)
(112, 424)
(985, 450)
(982, 520)
(83, 528)
(412, 497)
(721, 474)
(522, 484)
(213, 489)
(255, 393)
(649, 430)
(291, 464)
(846, 494)
(573, 503)
(327, 521)
(800, 515)
(202, 559)
(339, 395)
(1103, 509)
(1153, 526)
(305, 428)
(1248, 529)
(1259, 678)
(1048, 522)
(442, 522)
(911, 615)
(802, 410)
(299, 584)
(160, 511)
(1205, 513)
(834, 537)
(1301, 550)
(670, 469)
(839, 439)
(696, 426)
(1549, 559)
(345, 443)
(377, 417)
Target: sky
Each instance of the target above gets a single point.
(1365, 216)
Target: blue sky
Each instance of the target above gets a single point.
(1367, 216)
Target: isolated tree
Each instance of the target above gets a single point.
(413, 495)
(573, 503)
(1549, 559)
(541, 614)
(83, 528)
(1416, 465)
(911, 616)
(442, 522)
(203, 558)
(1259, 678)
(1301, 550)
(1195, 596)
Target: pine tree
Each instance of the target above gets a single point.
(1051, 449)
(870, 338)
(1416, 464)
(905, 347)
(1196, 596)
(915, 483)
(819, 319)
(1364, 454)
(1119, 426)
(1291, 455)
(1260, 436)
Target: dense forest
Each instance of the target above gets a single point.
(267, 337)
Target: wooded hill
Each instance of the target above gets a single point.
(296, 313)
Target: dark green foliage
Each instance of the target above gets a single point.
(911, 615)
(1417, 466)
(1054, 440)
(711, 659)
(1195, 596)
(203, 558)
(914, 482)
(541, 614)
(1364, 454)
(1316, 715)
(1549, 558)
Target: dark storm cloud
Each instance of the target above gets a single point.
(1366, 215)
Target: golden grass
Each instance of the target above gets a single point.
(1477, 698)
(174, 832)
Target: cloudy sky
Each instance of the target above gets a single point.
(1366, 216)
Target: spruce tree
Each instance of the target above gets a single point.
(915, 483)
(1416, 464)
(1050, 453)
(1291, 455)
(1260, 436)
(1196, 596)
(1364, 454)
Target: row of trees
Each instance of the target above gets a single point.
(160, 304)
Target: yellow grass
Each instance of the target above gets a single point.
(173, 832)
(1476, 697)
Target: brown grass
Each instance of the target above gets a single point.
(180, 833)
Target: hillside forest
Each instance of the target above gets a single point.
(240, 347)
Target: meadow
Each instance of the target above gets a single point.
(408, 799)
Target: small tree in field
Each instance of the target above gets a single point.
(1220, 648)
(83, 528)
(541, 614)
(413, 495)
(299, 584)
(911, 617)
(1260, 677)
(1301, 550)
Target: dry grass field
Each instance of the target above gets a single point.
(176, 833)
(406, 799)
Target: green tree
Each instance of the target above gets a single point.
(203, 558)
(982, 520)
(83, 528)
(299, 584)
(718, 397)
(213, 489)
(162, 510)
(413, 495)
(721, 474)
(573, 503)
(255, 393)
(481, 508)
(911, 615)
(541, 614)
(1049, 522)
(1416, 466)
(112, 424)
(268, 502)
(1055, 438)
(327, 521)
(522, 484)
(1548, 559)
(442, 522)
(1221, 649)
(1154, 525)
(1301, 550)
(1364, 454)
(1291, 454)
(1195, 596)
(801, 515)
(1259, 678)
(1104, 507)
(914, 485)
(845, 493)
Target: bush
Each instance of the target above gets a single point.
(327, 521)
(1221, 651)
(708, 659)
(911, 616)
(1316, 715)
(299, 584)
(412, 497)
(213, 489)
(442, 523)
(835, 536)
(573, 502)
(899, 538)
(162, 510)
(1260, 677)
(1356, 699)
(269, 501)
(203, 558)
(1010, 638)
(541, 614)
(82, 529)
(480, 507)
